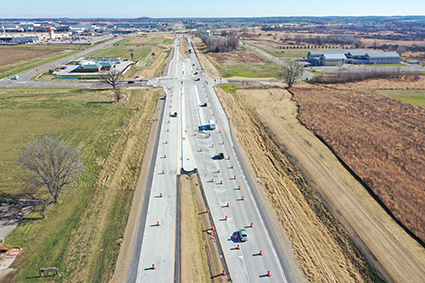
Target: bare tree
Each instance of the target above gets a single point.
(118, 94)
(51, 164)
(112, 78)
(290, 73)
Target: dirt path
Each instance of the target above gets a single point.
(396, 255)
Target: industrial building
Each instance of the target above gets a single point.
(354, 56)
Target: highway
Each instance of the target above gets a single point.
(182, 146)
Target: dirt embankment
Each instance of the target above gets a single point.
(200, 258)
(322, 246)
(380, 138)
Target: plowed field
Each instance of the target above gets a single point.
(14, 55)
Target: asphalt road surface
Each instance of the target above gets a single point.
(188, 148)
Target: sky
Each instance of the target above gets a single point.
(213, 8)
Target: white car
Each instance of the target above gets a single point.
(243, 235)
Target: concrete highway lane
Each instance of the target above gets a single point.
(234, 203)
(154, 260)
(229, 193)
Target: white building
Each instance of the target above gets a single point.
(375, 57)
(332, 59)
(354, 56)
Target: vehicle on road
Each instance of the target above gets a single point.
(243, 235)
(204, 105)
(219, 156)
(209, 126)
(130, 82)
(175, 114)
(197, 79)
(195, 73)
(15, 77)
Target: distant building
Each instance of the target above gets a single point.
(354, 56)
(332, 59)
(206, 32)
(11, 40)
(88, 67)
(94, 66)
(375, 57)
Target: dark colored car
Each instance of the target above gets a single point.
(197, 79)
(204, 105)
(130, 82)
(220, 155)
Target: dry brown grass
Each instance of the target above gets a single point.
(14, 55)
(241, 55)
(381, 139)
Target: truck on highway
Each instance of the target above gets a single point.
(210, 126)
(15, 77)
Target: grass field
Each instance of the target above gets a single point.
(146, 41)
(283, 54)
(244, 63)
(123, 52)
(415, 97)
(78, 235)
(144, 48)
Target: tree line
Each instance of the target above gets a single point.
(220, 44)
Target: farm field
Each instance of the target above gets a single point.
(240, 63)
(381, 139)
(15, 60)
(83, 229)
